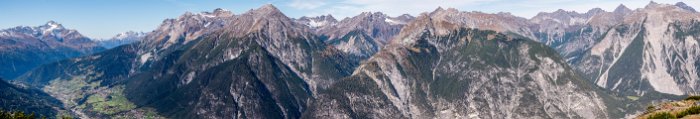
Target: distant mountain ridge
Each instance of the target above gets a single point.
(23, 48)
(442, 64)
(121, 39)
(361, 35)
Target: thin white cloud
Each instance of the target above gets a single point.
(306, 4)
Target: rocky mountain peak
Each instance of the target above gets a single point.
(54, 24)
(666, 12)
(327, 17)
(128, 34)
(438, 9)
(51, 26)
(566, 18)
(318, 21)
(268, 13)
(563, 11)
(556, 14)
(443, 21)
(51, 30)
(622, 9)
(441, 10)
(370, 15)
(403, 19)
(652, 4)
(268, 19)
(266, 10)
(185, 28)
(219, 12)
(322, 17)
(121, 39)
(215, 14)
(405, 16)
(684, 6)
(595, 11)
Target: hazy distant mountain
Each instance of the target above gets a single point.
(684, 6)
(23, 48)
(121, 39)
(361, 35)
(318, 22)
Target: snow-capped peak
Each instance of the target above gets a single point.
(128, 34)
(319, 21)
(218, 12)
(52, 25)
(393, 22)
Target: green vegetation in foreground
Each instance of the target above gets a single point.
(672, 110)
(22, 115)
(690, 111)
(693, 98)
(662, 115)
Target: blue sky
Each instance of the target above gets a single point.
(106, 18)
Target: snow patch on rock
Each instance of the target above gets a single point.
(145, 58)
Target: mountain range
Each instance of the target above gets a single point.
(441, 64)
(22, 48)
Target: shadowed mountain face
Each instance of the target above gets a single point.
(269, 66)
(258, 64)
(28, 100)
(23, 48)
(441, 64)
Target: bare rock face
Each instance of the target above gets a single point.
(652, 50)
(360, 36)
(188, 27)
(436, 23)
(23, 48)
(357, 43)
(572, 33)
(378, 25)
(442, 69)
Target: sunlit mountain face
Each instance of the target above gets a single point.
(444, 63)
